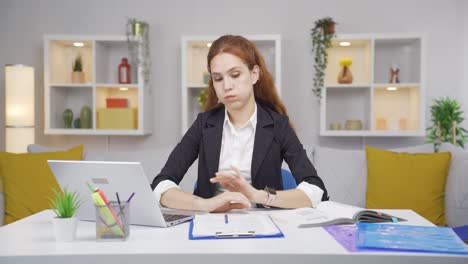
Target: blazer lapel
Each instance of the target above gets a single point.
(212, 137)
(263, 138)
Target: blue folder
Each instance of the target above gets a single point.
(462, 232)
(394, 237)
(250, 234)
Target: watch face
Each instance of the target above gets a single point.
(270, 190)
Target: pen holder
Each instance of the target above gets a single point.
(112, 221)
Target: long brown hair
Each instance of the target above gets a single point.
(264, 89)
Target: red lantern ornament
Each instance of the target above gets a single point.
(124, 72)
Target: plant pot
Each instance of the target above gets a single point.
(331, 28)
(65, 228)
(77, 77)
(345, 75)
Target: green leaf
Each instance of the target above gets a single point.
(65, 203)
(445, 112)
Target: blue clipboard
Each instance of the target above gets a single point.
(250, 234)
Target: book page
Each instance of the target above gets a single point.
(309, 217)
(340, 209)
(211, 224)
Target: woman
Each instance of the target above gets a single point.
(240, 141)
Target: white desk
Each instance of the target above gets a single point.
(31, 240)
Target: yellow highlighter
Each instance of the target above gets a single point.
(107, 216)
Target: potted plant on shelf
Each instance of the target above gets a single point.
(446, 118)
(65, 204)
(321, 34)
(201, 98)
(77, 75)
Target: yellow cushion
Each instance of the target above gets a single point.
(28, 181)
(408, 181)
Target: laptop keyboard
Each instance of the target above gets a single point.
(173, 217)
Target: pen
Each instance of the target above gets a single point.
(226, 220)
(121, 213)
(131, 196)
(118, 198)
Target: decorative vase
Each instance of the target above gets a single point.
(65, 228)
(77, 77)
(67, 118)
(353, 124)
(77, 123)
(85, 117)
(345, 75)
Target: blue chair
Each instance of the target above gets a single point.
(288, 180)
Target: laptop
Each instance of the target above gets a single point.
(112, 177)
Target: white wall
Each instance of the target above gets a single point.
(23, 24)
(463, 18)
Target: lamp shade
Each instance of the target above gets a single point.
(19, 107)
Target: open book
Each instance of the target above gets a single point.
(332, 213)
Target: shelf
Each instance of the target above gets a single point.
(405, 54)
(352, 85)
(398, 85)
(67, 97)
(102, 93)
(117, 85)
(108, 57)
(197, 86)
(371, 133)
(62, 54)
(103, 132)
(101, 55)
(384, 108)
(344, 104)
(397, 109)
(359, 51)
(70, 85)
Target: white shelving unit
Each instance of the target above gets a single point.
(384, 109)
(101, 57)
(194, 66)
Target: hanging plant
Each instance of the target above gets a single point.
(138, 47)
(321, 34)
(446, 118)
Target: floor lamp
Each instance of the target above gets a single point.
(19, 107)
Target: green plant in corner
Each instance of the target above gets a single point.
(78, 64)
(446, 118)
(201, 97)
(65, 204)
(321, 34)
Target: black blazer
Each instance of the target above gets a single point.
(275, 141)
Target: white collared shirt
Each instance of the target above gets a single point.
(236, 150)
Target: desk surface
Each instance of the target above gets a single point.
(31, 240)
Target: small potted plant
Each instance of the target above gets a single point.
(321, 34)
(77, 75)
(201, 98)
(65, 204)
(446, 118)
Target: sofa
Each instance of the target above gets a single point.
(343, 171)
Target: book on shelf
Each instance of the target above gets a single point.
(333, 213)
(116, 102)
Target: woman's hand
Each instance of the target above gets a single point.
(234, 182)
(225, 201)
